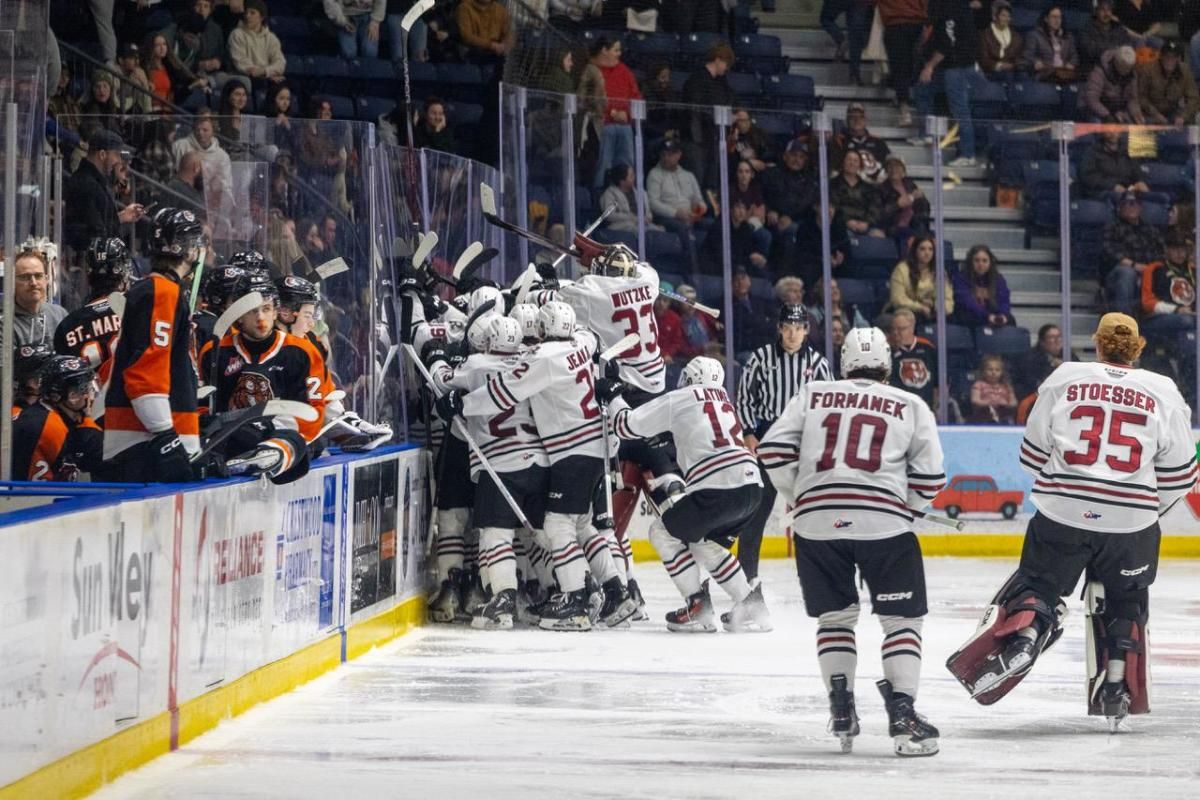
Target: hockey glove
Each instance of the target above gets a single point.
(548, 275)
(608, 390)
(450, 405)
(433, 305)
(434, 351)
(612, 370)
(171, 464)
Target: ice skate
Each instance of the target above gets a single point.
(595, 598)
(529, 603)
(1017, 657)
(696, 617)
(1114, 703)
(636, 593)
(843, 718)
(566, 611)
(750, 615)
(497, 614)
(473, 595)
(619, 606)
(911, 733)
(445, 607)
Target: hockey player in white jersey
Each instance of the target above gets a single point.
(510, 442)
(856, 457)
(722, 489)
(1110, 448)
(557, 379)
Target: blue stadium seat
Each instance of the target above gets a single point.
(745, 87)
(989, 100)
(710, 288)
(1025, 19)
(871, 258)
(760, 53)
(286, 27)
(1157, 214)
(644, 50)
(375, 76)
(464, 113)
(461, 82)
(1167, 178)
(371, 108)
(1173, 147)
(694, 47)
(790, 92)
(329, 74)
(343, 107)
(762, 288)
(1007, 341)
(857, 292)
(1034, 100)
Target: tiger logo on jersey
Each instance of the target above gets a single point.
(251, 389)
(1183, 293)
(913, 373)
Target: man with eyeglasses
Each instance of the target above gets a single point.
(35, 318)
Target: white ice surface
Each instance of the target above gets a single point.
(453, 713)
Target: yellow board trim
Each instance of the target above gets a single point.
(82, 772)
(960, 545)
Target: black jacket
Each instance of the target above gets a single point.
(91, 207)
(954, 33)
(792, 193)
(702, 89)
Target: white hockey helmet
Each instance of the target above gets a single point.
(479, 334)
(702, 370)
(482, 295)
(526, 315)
(556, 320)
(617, 261)
(503, 335)
(865, 348)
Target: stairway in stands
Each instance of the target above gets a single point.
(1032, 272)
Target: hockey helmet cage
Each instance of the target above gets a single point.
(295, 291)
(702, 370)
(108, 259)
(617, 261)
(865, 348)
(478, 335)
(556, 320)
(526, 315)
(250, 260)
(484, 294)
(504, 335)
(28, 360)
(177, 232)
(63, 374)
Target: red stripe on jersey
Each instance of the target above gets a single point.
(884, 501)
(697, 473)
(1149, 498)
(564, 439)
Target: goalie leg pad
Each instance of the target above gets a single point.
(1116, 631)
(626, 496)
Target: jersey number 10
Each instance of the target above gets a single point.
(851, 458)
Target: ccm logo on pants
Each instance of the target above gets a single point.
(893, 596)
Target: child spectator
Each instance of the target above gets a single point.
(992, 398)
(254, 50)
(913, 286)
(980, 291)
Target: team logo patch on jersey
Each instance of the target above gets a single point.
(234, 366)
(1182, 292)
(914, 373)
(1091, 515)
(251, 390)
(842, 523)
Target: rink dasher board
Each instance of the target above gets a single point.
(131, 623)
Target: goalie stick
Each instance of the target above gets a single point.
(466, 434)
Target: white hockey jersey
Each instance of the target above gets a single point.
(1110, 447)
(708, 436)
(451, 332)
(510, 438)
(615, 308)
(557, 379)
(853, 457)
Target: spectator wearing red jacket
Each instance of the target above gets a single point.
(616, 129)
(670, 330)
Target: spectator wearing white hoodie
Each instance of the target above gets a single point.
(358, 24)
(216, 170)
(253, 49)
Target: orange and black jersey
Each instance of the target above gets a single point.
(48, 446)
(281, 366)
(204, 321)
(153, 384)
(1166, 287)
(90, 332)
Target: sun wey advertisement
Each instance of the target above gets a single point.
(108, 614)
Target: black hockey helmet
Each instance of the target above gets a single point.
(28, 360)
(219, 285)
(295, 291)
(793, 314)
(62, 375)
(251, 261)
(108, 260)
(177, 232)
(257, 282)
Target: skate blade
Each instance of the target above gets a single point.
(846, 741)
(640, 616)
(505, 623)
(907, 748)
(442, 618)
(754, 626)
(531, 620)
(991, 680)
(623, 614)
(580, 623)
(692, 627)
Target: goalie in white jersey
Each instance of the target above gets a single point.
(856, 457)
(1111, 450)
(721, 493)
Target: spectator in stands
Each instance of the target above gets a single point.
(186, 188)
(837, 337)
(1102, 33)
(670, 329)
(993, 400)
(745, 247)
(690, 16)
(215, 165)
(159, 68)
(573, 15)
(674, 197)
(278, 106)
(857, 201)
(950, 64)
(156, 157)
(101, 105)
(91, 207)
(62, 105)
(747, 190)
(102, 16)
(1166, 89)
(418, 35)
(913, 286)
(699, 331)
(1107, 168)
(914, 358)
(858, 29)
(254, 50)
(35, 318)
(789, 291)
(1050, 54)
(662, 100)
(1111, 92)
(753, 318)
(845, 313)
(1169, 293)
(620, 86)
(1142, 18)
(999, 45)
(311, 243)
(321, 152)
(433, 130)
(906, 211)
(357, 23)
(705, 88)
(560, 78)
(903, 24)
(484, 30)
(980, 292)
(872, 150)
(198, 42)
(791, 192)
(129, 64)
(1130, 243)
(748, 143)
(1043, 358)
(619, 193)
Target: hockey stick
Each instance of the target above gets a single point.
(624, 344)
(589, 230)
(233, 421)
(116, 301)
(466, 434)
(197, 273)
(243, 305)
(406, 23)
(703, 309)
(957, 524)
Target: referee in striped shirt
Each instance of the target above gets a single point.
(774, 374)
